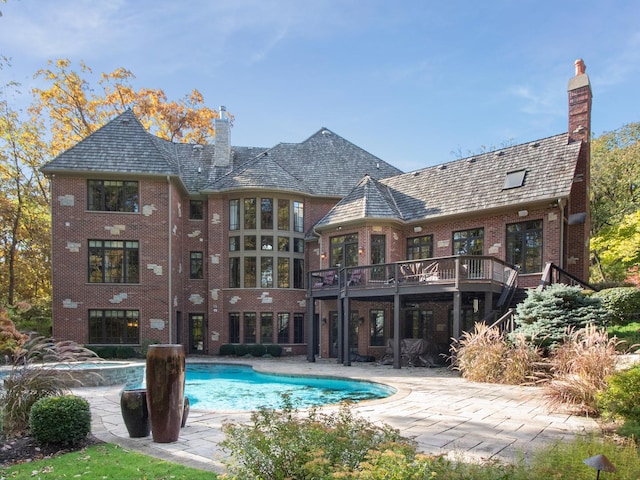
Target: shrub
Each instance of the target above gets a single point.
(545, 315)
(274, 350)
(144, 347)
(37, 318)
(280, 444)
(623, 304)
(29, 380)
(621, 397)
(257, 350)
(580, 366)
(125, 352)
(485, 355)
(241, 350)
(10, 338)
(227, 349)
(62, 420)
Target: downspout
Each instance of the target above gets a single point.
(561, 205)
(169, 267)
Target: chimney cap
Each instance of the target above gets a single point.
(581, 68)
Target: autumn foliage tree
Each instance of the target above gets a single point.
(75, 108)
(615, 203)
(69, 108)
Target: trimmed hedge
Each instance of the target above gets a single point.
(623, 304)
(113, 351)
(254, 349)
(64, 420)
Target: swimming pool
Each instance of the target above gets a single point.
(239, 387)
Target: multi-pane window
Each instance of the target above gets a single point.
(283, 328)
(269, 232)
(468, 242)
(250, 272)
(378, 249)
(114, 326)
(283, 272)
(249, 327)
(420, 247)
(234, 272)
(266, 213)
(196, 209)
(113, 261)
(234, 327)
(234, 214)
(112, 196)
(283, 214)
(376, 321)
(344, 250)
(298, 328)
(266, 272)
(250, 213)
(266, 327)
(298, 216)
(298, 273)
(196, 265)
(524, 245)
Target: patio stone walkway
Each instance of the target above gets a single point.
(441, 411)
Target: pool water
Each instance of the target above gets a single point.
(239, 387)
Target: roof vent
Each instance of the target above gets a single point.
(499, 154)
(416, 173)
(126, 121)
(442, 167)
(197, 146)
(326, 132)
(472, 160)
(534, 145)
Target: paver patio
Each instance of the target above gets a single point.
(444, 413)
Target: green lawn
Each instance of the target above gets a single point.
(105, 461)
(630, 333)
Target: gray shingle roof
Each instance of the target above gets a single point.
(324, 164)
(470, 184)
(122, 145)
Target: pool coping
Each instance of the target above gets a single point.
(442, 412)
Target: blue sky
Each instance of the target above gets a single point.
(416, 83)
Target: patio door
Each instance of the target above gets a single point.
(197, 329)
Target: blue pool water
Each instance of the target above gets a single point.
(238, 387)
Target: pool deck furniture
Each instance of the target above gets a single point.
(444, 413)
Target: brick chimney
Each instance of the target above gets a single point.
(222, 152)
(579, 104)
(578, 213)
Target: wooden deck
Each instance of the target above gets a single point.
(444, 274)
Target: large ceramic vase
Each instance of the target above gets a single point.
(133, 405)
(165, 391)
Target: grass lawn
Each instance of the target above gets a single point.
(630, 333)
(105, 461)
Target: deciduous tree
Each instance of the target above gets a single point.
(615, 203)
(75, 108)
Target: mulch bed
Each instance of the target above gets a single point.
(26, 449)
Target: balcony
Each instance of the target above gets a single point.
(433, 275)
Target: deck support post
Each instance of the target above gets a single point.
(312, 330)
(340, 331)
(346, 324)
(457, 307)
(396, 331)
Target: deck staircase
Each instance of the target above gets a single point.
(503, 318)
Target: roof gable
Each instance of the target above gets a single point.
(369, 199)
(477, 183)
(120, 146)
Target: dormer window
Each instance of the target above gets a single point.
(514, 179)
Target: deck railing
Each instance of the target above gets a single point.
(443, 270)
